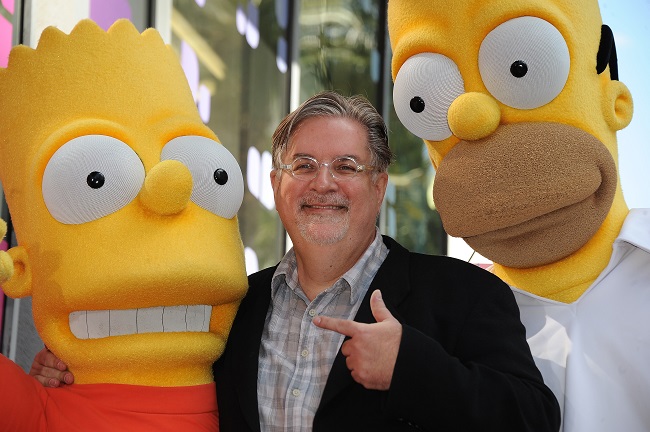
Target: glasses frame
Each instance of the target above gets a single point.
(360, 168)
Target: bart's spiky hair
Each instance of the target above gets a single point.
(70, 83)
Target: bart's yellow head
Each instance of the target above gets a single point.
(124, 205)
(518, 103)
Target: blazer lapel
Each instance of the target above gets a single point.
(392, 279)
(247, 354)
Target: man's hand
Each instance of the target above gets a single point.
(371, 352)
(49, 370)
(6, 262)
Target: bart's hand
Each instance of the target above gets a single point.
(49, 370)
(6, 263)
(371, 351)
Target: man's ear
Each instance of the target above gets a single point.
(275, 179)
(381, 182)
(20, 282)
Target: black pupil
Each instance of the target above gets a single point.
(519, 69)
(417, 104)
(95, 179)
(221, 176)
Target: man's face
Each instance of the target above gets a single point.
(325, 210)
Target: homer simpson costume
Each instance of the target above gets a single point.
(518, 103)
(124, 206)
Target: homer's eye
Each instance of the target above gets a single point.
(218, 181)
(90, 177)
(524, 62)
(425, 87)
(95, 179)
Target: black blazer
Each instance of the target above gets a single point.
(463, 362)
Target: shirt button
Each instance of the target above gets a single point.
(304, 353)
(312, 312)
(295, 392)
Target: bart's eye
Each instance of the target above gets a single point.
(425, 87)
(218, 181)
(524, 62)
(90, 177)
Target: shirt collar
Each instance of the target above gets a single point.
(636, 229)
(286, 274)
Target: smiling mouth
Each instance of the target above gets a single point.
(324, 207)
(163, 319)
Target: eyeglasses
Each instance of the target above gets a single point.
(307, 168)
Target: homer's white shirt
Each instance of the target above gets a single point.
(595, 353)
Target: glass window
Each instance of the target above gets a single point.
(235, 57)
(340, 48)
(409, 214)
(105, 13)
(7, 21)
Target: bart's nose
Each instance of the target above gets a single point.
(167, 188)
(473, 116)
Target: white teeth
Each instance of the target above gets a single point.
(100, 324)
(174, 317)
(198, 318)
(150, 320)
(123, 322)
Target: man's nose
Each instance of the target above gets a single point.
(324, 177)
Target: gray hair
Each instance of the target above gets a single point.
(332, 104)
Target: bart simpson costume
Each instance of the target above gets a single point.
(124, 205)
(518, 103)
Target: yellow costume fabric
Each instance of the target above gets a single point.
(519, 103)
(520, 116)
(124, 206)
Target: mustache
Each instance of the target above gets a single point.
(332, 198)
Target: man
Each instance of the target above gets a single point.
(351, 331)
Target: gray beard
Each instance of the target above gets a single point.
(308, 225)
(309, 229)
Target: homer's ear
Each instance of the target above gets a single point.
(20, 275)
(617, 105)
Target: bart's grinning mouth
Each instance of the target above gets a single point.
(105, 323)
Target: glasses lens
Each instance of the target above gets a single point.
(344, 168)
(304, 168)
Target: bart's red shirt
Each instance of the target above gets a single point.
(25, 405)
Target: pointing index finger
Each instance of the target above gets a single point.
(344, 327)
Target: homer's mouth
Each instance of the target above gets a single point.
(528, 195)
(163, 319)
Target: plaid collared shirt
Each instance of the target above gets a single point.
(296, 356)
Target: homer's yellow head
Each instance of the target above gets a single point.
(518, 103)
(124, 206)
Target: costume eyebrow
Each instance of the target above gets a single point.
(606, 55)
